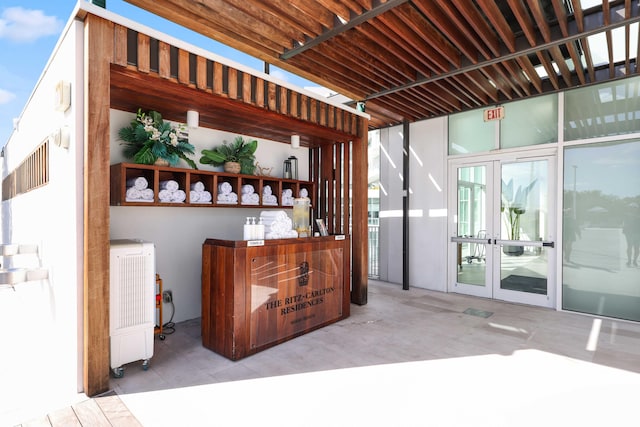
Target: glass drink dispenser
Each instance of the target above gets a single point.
(301, 224)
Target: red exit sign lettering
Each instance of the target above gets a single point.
(494, 114)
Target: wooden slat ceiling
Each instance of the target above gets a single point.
(413, 59)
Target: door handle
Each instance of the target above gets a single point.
(461, 239)
(536, 243)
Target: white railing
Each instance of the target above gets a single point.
(374, 247)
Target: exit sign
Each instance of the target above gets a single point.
(494, 114)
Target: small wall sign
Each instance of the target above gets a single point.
(494, 114)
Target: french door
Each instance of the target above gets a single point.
(502, 232)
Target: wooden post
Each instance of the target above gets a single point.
(360, 228)
(98, 52)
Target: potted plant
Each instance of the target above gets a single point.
(150, 140)
(236, 157)
(513, 207)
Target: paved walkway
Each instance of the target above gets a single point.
(407, 358)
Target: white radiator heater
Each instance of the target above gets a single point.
(132, 303)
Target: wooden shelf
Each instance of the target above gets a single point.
(123, 172)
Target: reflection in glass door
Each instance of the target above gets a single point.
(502, 242)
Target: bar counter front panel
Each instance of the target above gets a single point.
(254, 297)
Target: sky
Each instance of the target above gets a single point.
(29, 30)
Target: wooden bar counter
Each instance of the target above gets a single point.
(256, 295)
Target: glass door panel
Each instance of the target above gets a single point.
(525, 238)
(502, 233)
(471, 236)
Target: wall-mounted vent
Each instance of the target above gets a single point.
(32, 173)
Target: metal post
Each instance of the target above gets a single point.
(405, 205)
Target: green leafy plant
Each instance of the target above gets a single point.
(149, 138)
(513, 206)
(240, 150)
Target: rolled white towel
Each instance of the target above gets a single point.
(224, 188)
(266, 190)
(269, 221)
(169, 184)
(205, 197)
(164, 195)
(273, 215)
(133, 193)
(248, 200)
(276, 227)
(283, 235)
(147, 194)
(139, 183)
(269, 199)
(304, 192)
(231, 198)
(178, 196)
(288, 223)
(247, 189)
(197, 186)
(287, 201)
(194, 196)
(287, 197)
(278, 223)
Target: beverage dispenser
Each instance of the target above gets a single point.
(301, 224)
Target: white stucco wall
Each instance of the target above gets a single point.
(40, 357)
(427, 204)
(178, 232)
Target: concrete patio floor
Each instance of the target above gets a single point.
(407, 358)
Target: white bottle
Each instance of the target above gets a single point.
(254, 228)
(260, 234)
(247, 230)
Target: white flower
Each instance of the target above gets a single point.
(174, 139)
